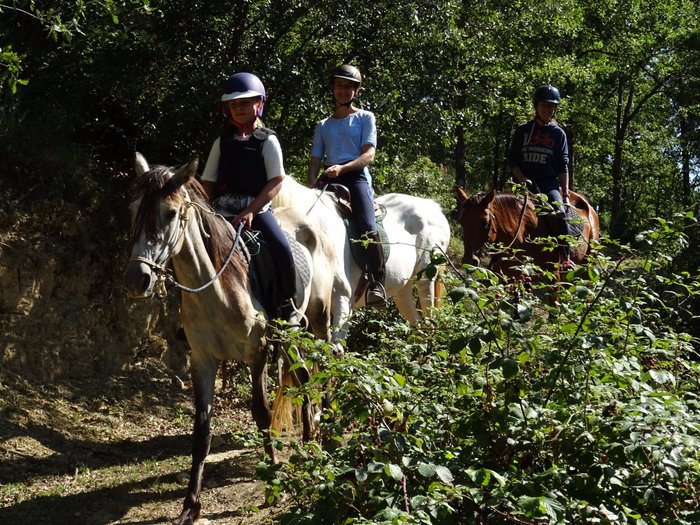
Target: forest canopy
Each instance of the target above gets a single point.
(86, 83)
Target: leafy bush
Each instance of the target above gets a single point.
(422, 178)
(504, 409)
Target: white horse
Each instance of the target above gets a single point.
(174, 224)
(414, 227)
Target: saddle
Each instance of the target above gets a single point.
(545, 211)
(262, 271)
(343, 202)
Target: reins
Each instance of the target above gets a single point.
(323, 190)
(520, 222)
(164, 274)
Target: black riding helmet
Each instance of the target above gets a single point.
(346, 72)
(546, 93)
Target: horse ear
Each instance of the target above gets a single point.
(187, 172)
(140, 164)
(489, 196)
(462, 196)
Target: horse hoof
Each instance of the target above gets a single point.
(187, 518)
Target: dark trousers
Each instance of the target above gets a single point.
(559, 222)
(362, 201)
(276, 241)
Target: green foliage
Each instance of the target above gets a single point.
(422, 178)
(88, 82)
(503, 409)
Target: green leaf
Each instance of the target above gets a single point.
(427, 470)
(551, 507)
(510, 368)
(395, 472)
(444, 474)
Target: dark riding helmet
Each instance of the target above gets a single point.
(546, 93)
(347, 72)
(243, 85)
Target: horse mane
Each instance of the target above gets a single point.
(293, 194)
(508, 208)
(153, 185)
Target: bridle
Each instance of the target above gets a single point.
(490, 226)
(164, 275)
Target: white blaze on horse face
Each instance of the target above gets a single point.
(168, 236)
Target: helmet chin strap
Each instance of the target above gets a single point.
(241, 128)
(341, 105)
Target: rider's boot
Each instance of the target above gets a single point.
(287, 310)
(375, 295)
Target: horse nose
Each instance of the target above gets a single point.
(140, 280)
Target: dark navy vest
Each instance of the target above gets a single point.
(241, 164)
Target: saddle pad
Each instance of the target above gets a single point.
(301, 263)
(575, 222)
(262, 271)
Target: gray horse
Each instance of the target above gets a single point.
(173, 225)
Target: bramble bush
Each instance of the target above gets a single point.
(503, 409)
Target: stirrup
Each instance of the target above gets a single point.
(289, 313)
(375, 295)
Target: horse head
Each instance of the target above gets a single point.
(477, 223)
(158, 218)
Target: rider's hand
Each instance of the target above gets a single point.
(333, 172)
(245, 218)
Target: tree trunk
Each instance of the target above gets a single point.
(460, 167)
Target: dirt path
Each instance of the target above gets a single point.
(117, 452)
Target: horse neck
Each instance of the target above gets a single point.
(512, 220)
(306, 200)
(290, 195)
(193, 264)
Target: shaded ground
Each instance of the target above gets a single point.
(117, 452)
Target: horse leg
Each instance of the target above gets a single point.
(340, 308)
(406, 305)
(260, 405)
(203, 376)
(426, 294)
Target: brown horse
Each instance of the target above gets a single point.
(511, 220)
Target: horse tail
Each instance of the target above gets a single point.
(439, 290)
(284, 413)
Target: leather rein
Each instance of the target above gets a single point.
(492, 224)
(165, 275)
